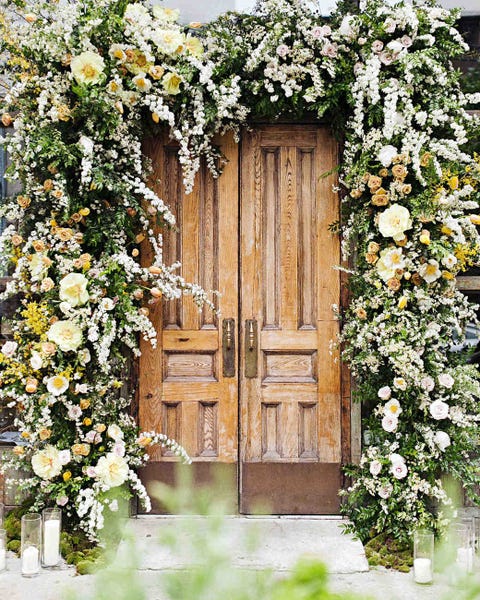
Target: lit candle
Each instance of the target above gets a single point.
(51, 542)
(422, 569)
(30, 561)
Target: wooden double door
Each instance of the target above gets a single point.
(257, 387)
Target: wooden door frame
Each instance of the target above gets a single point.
(205, 473)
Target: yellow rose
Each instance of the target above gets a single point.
(194, 45)
(453, 182)
(67, 476)
(73, 289)
(425, 237)
(171, 83)
(67, 335)
(402, 303)
(87, 67)
(81, 449)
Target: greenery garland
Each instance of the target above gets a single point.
(88, 79)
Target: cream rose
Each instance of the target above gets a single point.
(73, 289)
(111, 470)
(442, 440)
(389, 423)
(115, 432)
(165, 14)
(375, 467)
(385, 392)
(46, 463)
(394, 221)
(87, 67)
(66, 335)
(9, 348)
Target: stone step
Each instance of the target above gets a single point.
(252, 542)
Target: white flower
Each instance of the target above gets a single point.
(87, 67)
(442, 439)
(385, 392)
(46, 463)
(346, 28)
(165, 14)
(84, 356)
(107, 304)
(389, 423)
(399, 470)
(283, 50)
(430, 271)
(36, 361)
(65, 307)
(395, 47)
(115, 432)
(385, 491)
(439, 410)
(111, 470)
(66, 334)
(427, 383)
(73, 289)
(81, 388)
(393, 408)
(390, 260)
(375, 467)
(446, 380)
(142, 82)
(9, 348)
(64, 456)
(113, 505)
(57, 385)
(394, 221)
(389, 25)
(396, 458)
(400, 383)
(168, 40)
(449, 261)
(386, 155)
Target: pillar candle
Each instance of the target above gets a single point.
(3, 557)
(30, 561)
(51, 542)
(422, 569)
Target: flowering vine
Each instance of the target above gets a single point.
(88, 80)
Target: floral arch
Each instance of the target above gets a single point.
(86, 81)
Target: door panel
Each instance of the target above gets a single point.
(291, 406)
(183, 391)
(267, 248)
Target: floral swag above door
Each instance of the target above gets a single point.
(87, 81)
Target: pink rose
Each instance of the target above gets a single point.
(283, 50)
(62, 500)
(446, 380)
(406, 41)
(375, 467)
(399, 470)
(330, 50)
(389, 423)
(377, 46)
(91, 472)
(385, 491)
(385, 392)
(427, 383)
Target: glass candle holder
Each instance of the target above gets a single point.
(2, 510)
(423, 545)
(31, 544)
(51, 526)
(3, 550)
(476, 520)
(464, 541)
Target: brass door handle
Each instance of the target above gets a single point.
(228, 347)
(251, 348)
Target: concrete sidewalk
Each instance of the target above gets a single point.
(281, 542)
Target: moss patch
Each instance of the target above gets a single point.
(76, 549)
(383, 550)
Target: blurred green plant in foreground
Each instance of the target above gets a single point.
(202, 539)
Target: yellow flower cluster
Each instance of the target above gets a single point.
(36, 317)
(466, 255)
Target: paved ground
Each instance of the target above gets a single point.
(282, 541)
